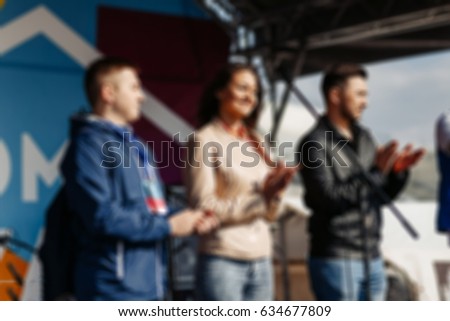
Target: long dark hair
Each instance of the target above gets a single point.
(210, 104)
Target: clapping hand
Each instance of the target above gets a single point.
(389, 158)
(277, 181)
(407, 158)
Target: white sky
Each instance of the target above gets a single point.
(405, 98)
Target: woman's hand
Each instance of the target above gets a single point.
(277, 181)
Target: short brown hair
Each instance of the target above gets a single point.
(100, 68)
(338, 74)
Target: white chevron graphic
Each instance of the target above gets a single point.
(41, 20)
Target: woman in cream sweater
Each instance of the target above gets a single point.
(231, 177)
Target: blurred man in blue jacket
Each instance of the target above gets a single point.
(115, 193)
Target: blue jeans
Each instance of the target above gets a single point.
(335, 279)
(224, 279)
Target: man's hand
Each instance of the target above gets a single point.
(184, 222)
(407, 158)
(389, 158)
(386, 156)
(207, 223)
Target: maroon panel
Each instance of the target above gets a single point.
(178, 56)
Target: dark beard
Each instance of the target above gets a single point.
(347, 115)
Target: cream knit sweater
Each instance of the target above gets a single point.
(225, 175)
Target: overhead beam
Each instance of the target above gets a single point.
(360, 34)
(419, 20)
(279, 13)
(401, 44)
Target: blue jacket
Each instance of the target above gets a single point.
(119, 250)
(443, 156)
(443, 218)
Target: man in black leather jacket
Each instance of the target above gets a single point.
(340, 197)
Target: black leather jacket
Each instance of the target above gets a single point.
(339, 196)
